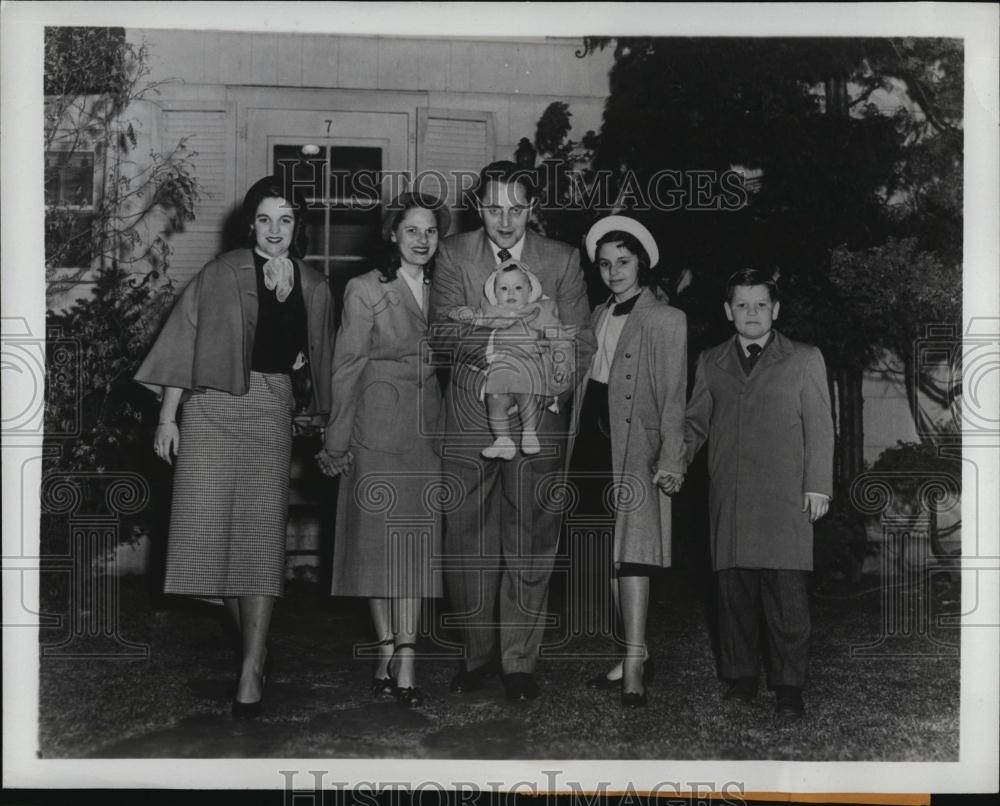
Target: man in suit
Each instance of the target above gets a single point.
(500, 541)
(761, 401)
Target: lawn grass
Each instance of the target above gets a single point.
(885, 706)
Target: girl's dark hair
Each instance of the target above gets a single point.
(396, 212)
(646, 277)
(271, 187)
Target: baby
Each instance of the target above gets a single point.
(521, 371)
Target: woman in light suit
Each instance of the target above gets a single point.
(382, 438)
(631, 430)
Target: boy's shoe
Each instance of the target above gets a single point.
(788, 702)
(743, 689)
(529, 443)
(502, 448)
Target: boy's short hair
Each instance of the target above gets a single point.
(752, 277)
(507, 172)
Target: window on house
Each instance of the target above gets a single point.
(69, 208)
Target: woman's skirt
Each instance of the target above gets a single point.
(388, 534)
(230, 503)
(590, 468)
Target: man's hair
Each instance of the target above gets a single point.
(507, 172)
(752, 277)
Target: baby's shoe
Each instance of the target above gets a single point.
(529, 443)
(502, 448)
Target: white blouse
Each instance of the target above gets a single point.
(608, 335)
(416, 285)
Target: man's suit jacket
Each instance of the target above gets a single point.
(770, 439)
(463, 263)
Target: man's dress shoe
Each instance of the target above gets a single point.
(469, 680)
(743, 689)
(520, 686)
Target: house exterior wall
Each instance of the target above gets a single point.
(221, 85)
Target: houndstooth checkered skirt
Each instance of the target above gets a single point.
(230, 503)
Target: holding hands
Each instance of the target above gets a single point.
(669, 483)
(334, 463)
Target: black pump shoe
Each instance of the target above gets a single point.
(410, 696)
(604, 683)
(251, 710)
(384, 686)
(247, 710)
(633, 699)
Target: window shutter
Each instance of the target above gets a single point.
(208, 133)
(452, 142)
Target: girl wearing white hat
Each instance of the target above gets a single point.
(631, 432)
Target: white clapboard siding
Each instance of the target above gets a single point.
(209, 136)
(450, 141)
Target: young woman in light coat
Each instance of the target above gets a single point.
(631, 430)
(383, 437)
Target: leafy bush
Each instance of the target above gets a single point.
(109, 335)
(916, 463)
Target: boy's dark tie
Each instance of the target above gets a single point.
(753, 353)
(504, 255)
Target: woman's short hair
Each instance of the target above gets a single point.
(395, 212)
(631, 243)
(272, 187)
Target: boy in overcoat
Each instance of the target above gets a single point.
(762, 402)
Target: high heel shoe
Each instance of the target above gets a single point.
(251, 710)
(384, 686)
(633, 699)
(604, 683)
(248, 710)
(409, 696)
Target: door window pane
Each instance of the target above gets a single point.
(340, 186)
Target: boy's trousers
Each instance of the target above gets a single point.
(783, 599)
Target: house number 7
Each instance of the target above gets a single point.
(328, 123)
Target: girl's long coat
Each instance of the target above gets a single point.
(770, 439)
(386, 410)
(647, 389)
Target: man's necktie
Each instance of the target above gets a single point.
(504, 255)
(753, 353)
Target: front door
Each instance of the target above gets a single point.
(346, 164)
